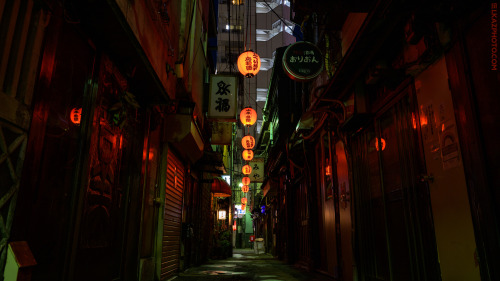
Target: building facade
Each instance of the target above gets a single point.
(389, 161)
(104, 137)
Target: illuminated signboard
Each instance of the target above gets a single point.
(302, 61)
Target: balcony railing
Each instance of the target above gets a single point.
(263, 8)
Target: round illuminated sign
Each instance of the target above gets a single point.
(302, 61)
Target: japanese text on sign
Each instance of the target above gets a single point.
(223, 97)
(257, 174)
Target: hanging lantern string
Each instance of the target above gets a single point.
(247, 27)
(250, 26)
(249, 88)
(248, 127)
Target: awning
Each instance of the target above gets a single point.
(189, 142)
(220, 188)
(210, 162)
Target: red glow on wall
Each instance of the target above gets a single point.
(423, 120)
(414, 121)
(145, 153)
(328, 170)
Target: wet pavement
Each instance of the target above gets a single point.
(247, 265)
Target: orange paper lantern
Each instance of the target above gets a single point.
(248, 142)
(243, 200)
(76, 115)
(245, 181)
(248, 116)
(249, 64)
(245, 188)
(247, 154)
(247, 170)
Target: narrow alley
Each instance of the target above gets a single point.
(246, 264)
(155, 140)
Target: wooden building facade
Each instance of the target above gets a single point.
(389, 158)
(97, 113)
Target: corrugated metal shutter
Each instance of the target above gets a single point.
(173, 217)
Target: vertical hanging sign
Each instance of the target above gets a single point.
(222, 101)
(257, 174)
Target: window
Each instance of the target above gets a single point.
(234, 2)
(233, 28)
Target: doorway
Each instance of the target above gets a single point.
(395, 234)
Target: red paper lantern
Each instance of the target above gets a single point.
(248, 116)
(76, 115)
(382, 142)
(243, 207)
(243, 200)
(245, 181)
(247, 170)
(248, 142)
(234, 226)
(245, 188)
(249, 64)
(247, 154)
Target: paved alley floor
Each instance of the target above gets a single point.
(246, 265)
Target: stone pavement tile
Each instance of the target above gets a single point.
(246, 265)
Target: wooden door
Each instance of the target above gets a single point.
(328, 230)
(301, 215)
(174, 189)
(115, 142)
(345, 220)
(395, 234)
(455, 236)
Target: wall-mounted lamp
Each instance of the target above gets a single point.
(222, 214)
